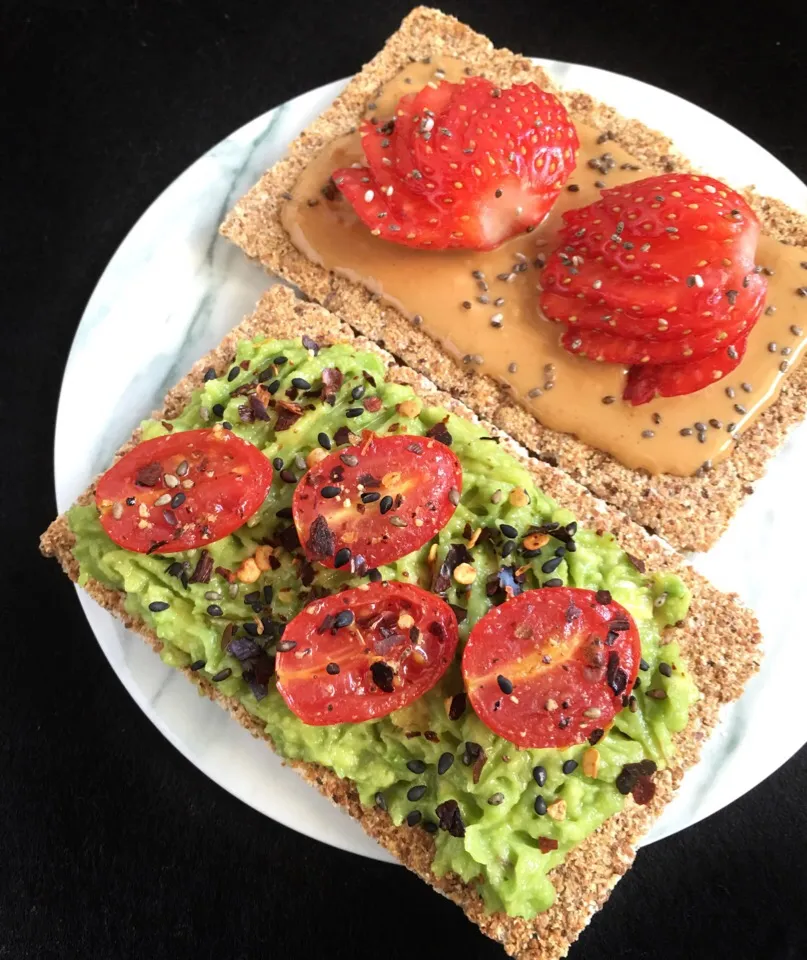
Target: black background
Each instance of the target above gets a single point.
(113, 845)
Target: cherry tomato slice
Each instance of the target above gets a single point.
(377, 501)
(181, 491)
(360, 654)
(550, 667)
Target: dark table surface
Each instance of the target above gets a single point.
(112, 844)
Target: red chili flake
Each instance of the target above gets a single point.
(547, 844)
(244, 364)
(203, 570)
(149, 475)
(372, 404)
(637, 562)
(228, 575)
(481, 760)
(450, 818)
(431, 736)
(332, 380)
(440, 433)
(288, 414)
(457, 708)
(643, 790)
(168, 426)
(382, 676)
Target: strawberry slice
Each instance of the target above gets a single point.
(656, 271)
(647, 382)
(605, 347)
(462, 165)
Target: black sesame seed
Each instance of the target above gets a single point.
(508, 530)
(374, 576)
(210, 374)
(445, 763)
(665, 669)
(214, 610)
(643, 664)
(358, 392)
(505, 685)
(277, 463)
(354, 412)
(342, 557)
(287, 476)
(430, 826)
(301, 383)
(222, 675)
(385, 505)
(197, 664)
(178, 499)
(218, 410)
(253, 597)
(551, 565)
(343, 619)
(274, 386)
(330, 492)
(540, 806)
(157, 606)
(416, 766)
(539, 775)
(279, 361)
(554, 582)
(414, 818)
(416, 793)
(370, 497)
(324, 440)
(233, 374)
(569, 766)
(508, 547)
(380, 802)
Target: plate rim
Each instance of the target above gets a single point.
(332, 87)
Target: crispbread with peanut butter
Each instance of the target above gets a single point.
(690, 511)
(719, 639)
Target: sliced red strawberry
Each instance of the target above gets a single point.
(604, 346)
(462, 165)
(647, 382)
(656, 270)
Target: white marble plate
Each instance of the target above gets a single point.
(174, 288)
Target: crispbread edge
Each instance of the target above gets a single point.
(720, 641)
(691, 512)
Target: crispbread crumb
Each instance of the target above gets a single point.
(691, 512)
(720, 641)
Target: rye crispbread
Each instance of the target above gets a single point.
(691, 512)
(720, 641)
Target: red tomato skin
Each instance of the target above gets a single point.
(351, 694)
(512, 641)
(212, 508)
(326, 527)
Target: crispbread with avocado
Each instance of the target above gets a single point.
(718, 643)
(690, 511)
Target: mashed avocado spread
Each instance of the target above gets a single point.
(501, 850)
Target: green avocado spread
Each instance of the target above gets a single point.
(501, 851)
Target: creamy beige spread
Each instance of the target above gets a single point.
(482, 307)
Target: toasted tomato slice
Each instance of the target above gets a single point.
(181, 491)
(377, 501)
(362, 653)
(549, 668)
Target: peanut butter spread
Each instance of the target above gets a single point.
(482, 307)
